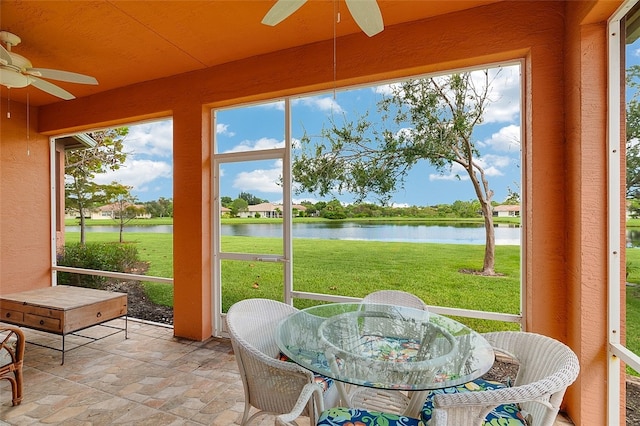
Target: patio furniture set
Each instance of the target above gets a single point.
(386, 360)
(389, 361)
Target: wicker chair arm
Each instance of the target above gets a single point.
(539, 391)
(311, 390)
(13, 342)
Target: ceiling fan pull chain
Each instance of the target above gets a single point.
(336, 11)
(28, 147)
(9, 102)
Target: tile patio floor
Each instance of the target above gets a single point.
(151, 378)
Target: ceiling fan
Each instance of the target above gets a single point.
(366, 13)
(16, 71)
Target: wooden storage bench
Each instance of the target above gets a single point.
(63, 309)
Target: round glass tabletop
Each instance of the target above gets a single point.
(384, 346)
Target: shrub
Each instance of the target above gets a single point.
(115, 257)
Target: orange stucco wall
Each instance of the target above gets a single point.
(25, 217)
(562, 47)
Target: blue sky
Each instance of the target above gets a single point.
(149, 170)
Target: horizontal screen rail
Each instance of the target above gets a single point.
(442, 310)
(110, 274)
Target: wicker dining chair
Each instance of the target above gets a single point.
(392, 401)
(11, 358)
(271, 385)
(395, 297)
(546, 368)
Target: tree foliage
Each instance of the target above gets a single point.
(123, 203)
(425, 119)
(251, 199)
(237, 206)
(633, 134)
(81, 166)
(162, 207)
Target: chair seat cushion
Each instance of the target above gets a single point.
(324, 381)
(341, 416)
(502, 415)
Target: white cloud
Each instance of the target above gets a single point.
(385, 89)
(506, 139)
(136, 173)
(149, 149)
(263, 180)
(505, 95)
(457, 172)
(493, 165)
(153, 139)
(223, 129)
(320, 103)
(260, 144)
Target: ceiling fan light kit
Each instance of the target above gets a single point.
(16, 71)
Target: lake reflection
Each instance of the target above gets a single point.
(375, 231)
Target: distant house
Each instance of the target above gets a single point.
(268, 210)
(108, 211)
(507, 210)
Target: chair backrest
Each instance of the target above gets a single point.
(395, 297)
(547, 367)
(548, 363)
(254, 321)
(270, 385)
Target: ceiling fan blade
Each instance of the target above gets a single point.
(281, 10)
(367, 15)
(71, 77)
(50, 88)
(4, 55)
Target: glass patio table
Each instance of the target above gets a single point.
(384, 347)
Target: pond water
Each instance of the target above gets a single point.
(376, 231)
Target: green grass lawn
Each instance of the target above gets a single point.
(355, 268)
(349, 268)
(633, 300)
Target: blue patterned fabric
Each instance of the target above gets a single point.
(341, 416)
(324, 381)
(503, 415)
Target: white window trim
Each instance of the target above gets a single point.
(617, 352)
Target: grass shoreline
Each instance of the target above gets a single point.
(251, 221)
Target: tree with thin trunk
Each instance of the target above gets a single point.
(432, 119)
(81, 165)
(123, 205)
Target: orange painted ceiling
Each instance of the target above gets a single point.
(125, 42)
